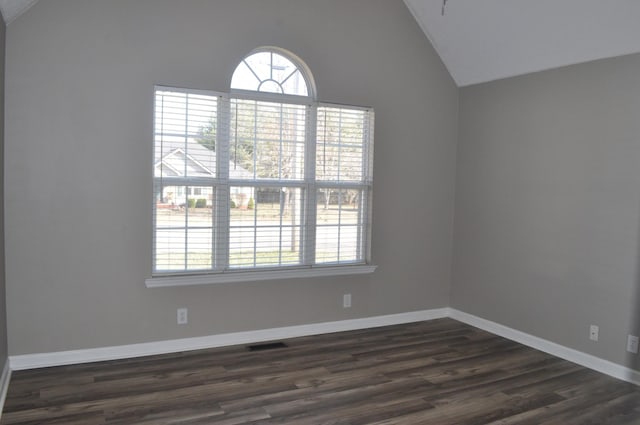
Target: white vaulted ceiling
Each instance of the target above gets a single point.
(11, 9)
(485, 40)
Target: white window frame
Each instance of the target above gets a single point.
(309, 184)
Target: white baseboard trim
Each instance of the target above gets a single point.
(575, 356)
(4, 384)
(60, 358)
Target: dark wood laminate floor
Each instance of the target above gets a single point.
(438, 372)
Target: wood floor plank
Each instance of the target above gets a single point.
(435, 372)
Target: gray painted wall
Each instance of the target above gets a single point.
(80, 76)
(3, 303)
(548, 205)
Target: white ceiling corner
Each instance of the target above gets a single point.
(481, 41)
(11, 9)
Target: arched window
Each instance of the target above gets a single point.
(273, 70)
(261, 181)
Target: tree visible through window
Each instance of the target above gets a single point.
(264, 177)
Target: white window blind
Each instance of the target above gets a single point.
(186, 164)
(270, 180)
(343, 180)
(268, 143)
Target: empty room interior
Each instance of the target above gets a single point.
(320, 212)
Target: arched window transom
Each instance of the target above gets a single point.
(270, 72)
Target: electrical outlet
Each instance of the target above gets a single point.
(632, 344)
(183, 316)
(346, 301)
(593, 332)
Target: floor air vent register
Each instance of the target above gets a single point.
(267, 346)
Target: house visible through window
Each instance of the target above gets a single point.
(262, 178)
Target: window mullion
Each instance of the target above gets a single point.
(222, 190)
(363, 227)
(280, 141)
(157, 180)
(367, 152)
(310, 219)
(186, 187)
(367, 192)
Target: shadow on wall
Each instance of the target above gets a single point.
(633, 360)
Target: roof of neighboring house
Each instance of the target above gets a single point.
(200, 161)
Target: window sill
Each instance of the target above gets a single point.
(249, 276)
